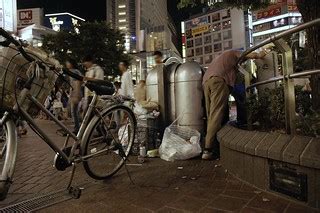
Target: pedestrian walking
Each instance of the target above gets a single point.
(75, 94)
(93, 72)
(126, 80)
(218, 82)
(117, 86)
(57, 104)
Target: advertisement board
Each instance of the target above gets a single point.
(199, 30)
(269, 13)
(196, 22)
(30, 16)
(8, 15)
(62, 21)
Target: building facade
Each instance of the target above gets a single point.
(33, 34)
(33, 24)
(147, 27)
(30, 16)
(281, 15)
(207, 35)
(8, 15)
(133, 17)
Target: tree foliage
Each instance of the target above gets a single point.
(96, 39)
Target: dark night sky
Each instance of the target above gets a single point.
(88, 9)
(95, 9)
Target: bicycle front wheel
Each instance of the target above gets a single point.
(8, 154)
(108, 142)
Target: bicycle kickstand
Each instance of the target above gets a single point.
(74, 191)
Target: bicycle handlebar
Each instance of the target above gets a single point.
(72, 74)
(10, 39)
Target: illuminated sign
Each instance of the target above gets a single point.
(25, 15)
(269, 13)
(30, 16)
(200, 30)
(8, 15)
(292, 7)
(212, 2)
(62, 21)
(196, 22)
(55, 23)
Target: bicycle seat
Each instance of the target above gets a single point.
(100, 87)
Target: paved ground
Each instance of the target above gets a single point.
(156, 186)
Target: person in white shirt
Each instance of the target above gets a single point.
(93, 72)
(126, 80)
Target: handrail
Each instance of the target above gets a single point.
(281, 77)
(278, 36)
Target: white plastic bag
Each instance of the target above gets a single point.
(180, 143)
(139, 110)
(123, 135)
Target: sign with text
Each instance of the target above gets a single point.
(269, 13)
(200, 30)
(30, 16)
(62, 21)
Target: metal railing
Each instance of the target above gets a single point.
(281, 77)
(273, 38)
(288, 74)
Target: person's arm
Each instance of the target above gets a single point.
(259, 55)
(124, 87)
(130, 86)
(99, 73)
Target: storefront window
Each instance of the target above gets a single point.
(225, 14)
(262, 27)
(208, 59)
(199, 51)
(227, 34)
(189, 33)
(216, 17)
(207, 49)
(198, 41)
(190, 52)
(216, 27)
(295, 20)
(217, 47)
(227, 45)
(216, 37)
(226, 24)
(190, 43)
(207, 39)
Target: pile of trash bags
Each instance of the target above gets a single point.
(180, 143)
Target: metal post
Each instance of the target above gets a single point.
(289, 93)
(162, 94)
(247, 80)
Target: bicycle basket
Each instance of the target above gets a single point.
(14, 70)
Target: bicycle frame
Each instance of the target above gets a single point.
(92, 106)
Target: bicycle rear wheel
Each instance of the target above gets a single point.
(109, 140)
(8, 153)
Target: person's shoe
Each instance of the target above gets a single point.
(206, 155)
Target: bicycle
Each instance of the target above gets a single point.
(106, 135)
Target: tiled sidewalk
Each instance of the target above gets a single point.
(156, 186)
